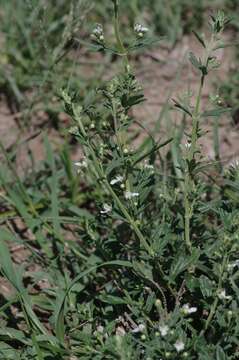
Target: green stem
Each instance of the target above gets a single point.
(187, 220)
(98, 170)
(195, 119)
(121, 48)
(122, 207)
(189, 182)
(188, 179)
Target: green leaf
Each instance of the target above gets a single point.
(216, 112)
(114, 300)
(54, 188)
(200, 39)
(150, 302)
(60, 308)
(182, 263)
(182, 107)
(7, 267)
(220, 355)
(143, 269)
(9, 334)
(194, 61)
(206, 286)
(153, 150)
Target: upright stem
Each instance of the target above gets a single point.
(190, 155)
(122, 50)
(195, 119)
(98, 170)
(188, 180)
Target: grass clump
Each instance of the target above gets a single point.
(150, 269)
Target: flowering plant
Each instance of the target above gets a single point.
(139, 258)
(170, 291)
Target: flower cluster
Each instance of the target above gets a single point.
(130, 195)
(186, 309)
(98, 33)
(223, 296)
(116, 180)
(163, 329)
(81, 165)
(106, 209)
(140, 30)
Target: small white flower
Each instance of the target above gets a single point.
(106, 209)
(129, 195)
(73, 130)
(179, 345)
(98, 30)
(235, 164)
(188, 310)
(222, 295)
(100, 329)
(140, 29)
(148, 166)
(81, 164)
(233, 265)
(139, 328)
(117, 180)
(187, 145)
(98, 33)
(163, 329)
(120, 331)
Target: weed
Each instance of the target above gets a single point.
(135, 256)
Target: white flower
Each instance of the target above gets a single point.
(163, 329)
(98, 33)
(140, 29)
(120, 331)
(188, 310)
(139, 328)
(73, 130)
(106, 209)
(187, 145)
(116, 180)
(100, 329)
(129, 195)
(148, 166)
(81, 164)
(222, 295)
(235, 164)
(233, 265)
(179, 345)
(98, 30)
